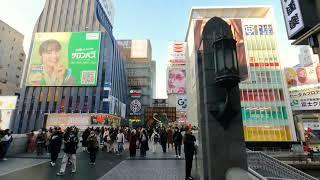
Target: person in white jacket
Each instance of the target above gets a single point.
(155, 139)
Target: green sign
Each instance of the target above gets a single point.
(64, 59)
(264, 114)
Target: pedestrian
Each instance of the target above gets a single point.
(163, 140)
(48, 136)
(31, 144)
(85, 136)
(41, 141)
(144, 147)
(120, 141)
(93, 147)
(155, 139)
(177, 140)
(133, 143)
(110, 140)
(5, 142)
(170, 138)
(55, 143)
(189, 150)
(70, 147)
(114, 141)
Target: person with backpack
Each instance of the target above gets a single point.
(177, 140)
(93, 147)
(55, 143)
(155, 139)
(120, 141)
(71, 141)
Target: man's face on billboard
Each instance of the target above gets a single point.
(51, 55)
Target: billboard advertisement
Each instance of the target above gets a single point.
(305, 98)
(176, 81)
(64, 59)
(297, 76)
(82, 121)
(135, 107)
(177, 52)
(139, 49)
(7, 105)
(135, 93)
(237, 30)
(181, 103)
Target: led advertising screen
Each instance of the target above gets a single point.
(176, 81)
(64, 59)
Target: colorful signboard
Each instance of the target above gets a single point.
(177, 52)
(181, 103)
(82, 121)
(302, 75)
(305, 98)
(135, 107)
(135, 93)
(264, 114)
(64, 59)
(176, 81)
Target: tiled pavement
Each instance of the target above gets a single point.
(156, 166)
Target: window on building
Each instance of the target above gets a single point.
(20, 59)
(6, 73)
(0, 91)
(8, 65)
(18, 76)
(14, 39)
(2, 28)
(19, 68)
(12, 48)
(10, 56)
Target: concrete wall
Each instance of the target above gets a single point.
(18, 145)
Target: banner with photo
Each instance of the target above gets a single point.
(298, 76)
(7, 106)
(64, 59)
(176, 81)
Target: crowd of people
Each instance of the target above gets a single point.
(105, 139)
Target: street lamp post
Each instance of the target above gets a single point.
(221, 123)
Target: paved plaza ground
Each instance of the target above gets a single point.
(156, 166)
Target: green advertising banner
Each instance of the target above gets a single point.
(264, 115)
(64, 59)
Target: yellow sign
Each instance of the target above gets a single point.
(267, 133)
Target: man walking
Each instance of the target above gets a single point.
(189, 150)
(55, 145)
(70, 147)
(163, 140)
(177, 140)
(155, 138)
(93, 147)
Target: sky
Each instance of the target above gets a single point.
(158, 20)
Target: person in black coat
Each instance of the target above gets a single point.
(163, 140)
(189, 150)
(144, 147)
(177, 140)
(55, 145)
(71, 141)
(85, 136)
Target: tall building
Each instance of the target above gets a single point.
(138, 54)
(154, 78)
(90, 76)
(12, 58)
(266, 111)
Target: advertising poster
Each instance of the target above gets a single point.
(302, 75)
(105, 120)
(181, 103)
(135, 107)
(177, 52)
(82, 121)
(64, 59)
(176, 81)
(7, 106)
(305, 98)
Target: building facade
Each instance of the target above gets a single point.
(12, 58)
(107, 95)
(266, 112)
(138, 54)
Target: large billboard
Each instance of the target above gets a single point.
(64, 59)
(177, 52)
(181, 103)
(176, 81)
(139, 49)
(302, 75)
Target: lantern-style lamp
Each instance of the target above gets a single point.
(225, 57)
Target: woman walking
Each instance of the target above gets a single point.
(144, 147)
(133, 143)
(93, 146)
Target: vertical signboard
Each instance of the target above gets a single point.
(7, 105)
(292, 16)
(177, 52)
(176, 81)
(181, 103)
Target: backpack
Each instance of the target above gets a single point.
(156, 138)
